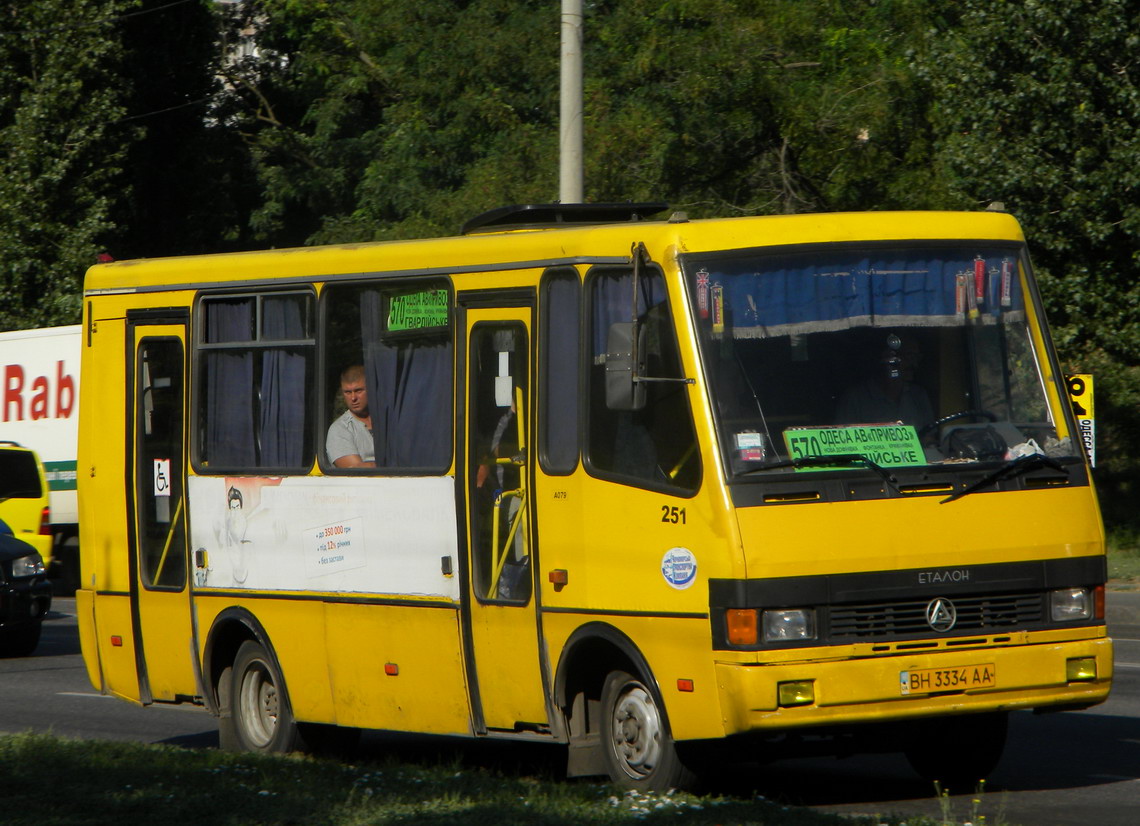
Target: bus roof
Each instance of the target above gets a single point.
(515, 248)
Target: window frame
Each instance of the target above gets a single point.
(329, 373)
(548, 412)
(257, 344)
(649, 270)
(147, 552)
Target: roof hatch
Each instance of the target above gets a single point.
(548, 216)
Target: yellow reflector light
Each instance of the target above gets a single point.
(799, 693)
(1080, 669)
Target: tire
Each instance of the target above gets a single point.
(958, 752)
(639, 751)
(20, 641)
(325, 740)
(227, 731)
(261, 719)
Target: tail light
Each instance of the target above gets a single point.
(45, 522)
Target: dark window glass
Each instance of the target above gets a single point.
(653, 445)
(158, 471)
(19, 476)
(810, 351)
(397, 338)
(256, 359)
(500, 555)
(559, 354)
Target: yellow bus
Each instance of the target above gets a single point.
(628, 482)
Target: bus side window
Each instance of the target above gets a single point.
(559, 354)
(655, 445)
(256, 360)
(400, 336)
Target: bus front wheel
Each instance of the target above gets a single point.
(957, 752)
(639, 752)
(261, 718)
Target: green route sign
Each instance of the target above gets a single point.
(889, 445)
(423, 310)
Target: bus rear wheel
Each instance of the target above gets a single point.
(261, 718)
(639, 752)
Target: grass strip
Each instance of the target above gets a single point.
(51, 781)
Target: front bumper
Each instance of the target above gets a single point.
(861, 690)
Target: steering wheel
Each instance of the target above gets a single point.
(953, 417)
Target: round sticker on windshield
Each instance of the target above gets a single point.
(679, 567)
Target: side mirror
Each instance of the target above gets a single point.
(622, 392)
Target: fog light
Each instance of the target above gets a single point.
(1080, 669)
(799, 693)
(1069, 604)
(789, 624)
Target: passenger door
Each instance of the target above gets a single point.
(160, 593)
(508, 689)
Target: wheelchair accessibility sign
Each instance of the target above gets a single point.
(162, 477)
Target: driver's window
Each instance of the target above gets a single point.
(654, 445)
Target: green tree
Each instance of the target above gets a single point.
(62, 148)
(1038, 107)
(187, 170)
(384, 119)
(378, 119)
(738, 107)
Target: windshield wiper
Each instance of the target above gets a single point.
(839, 460)
(1014, 467)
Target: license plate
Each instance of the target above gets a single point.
(959, 678)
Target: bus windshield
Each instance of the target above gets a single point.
(903, 355)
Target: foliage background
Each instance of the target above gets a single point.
(160, 127)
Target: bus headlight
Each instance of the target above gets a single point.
(789, 625)
(29, 565)
(1069, 604)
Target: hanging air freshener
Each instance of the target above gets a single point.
(979, 281)
(1006, 282)
(717, 309)
(703, 293)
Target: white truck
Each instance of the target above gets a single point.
(39, 409)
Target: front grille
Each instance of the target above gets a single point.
(979, 614)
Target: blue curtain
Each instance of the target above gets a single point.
(282, 423)
(812, 292)
(612, 296)
(409, 393)
(229, 386)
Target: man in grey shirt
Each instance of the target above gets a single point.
(349, 441)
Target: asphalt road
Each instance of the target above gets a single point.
(1067, 769)
(1076, 768)
(49, 692)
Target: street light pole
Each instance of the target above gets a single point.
(570, 142)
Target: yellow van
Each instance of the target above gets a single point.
(24, 497)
